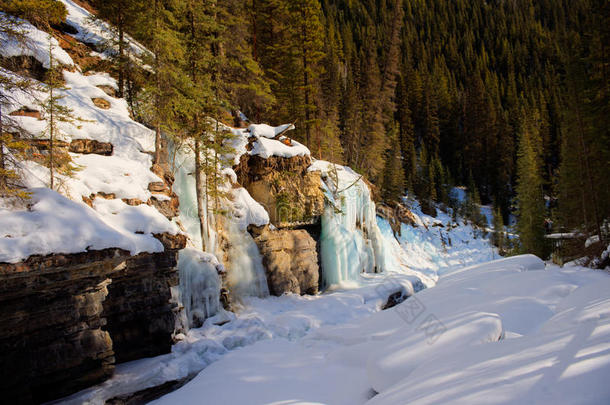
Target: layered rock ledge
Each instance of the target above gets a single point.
(66, 320)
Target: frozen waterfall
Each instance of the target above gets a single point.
(245, 272)
(350, 240)
(199, 285)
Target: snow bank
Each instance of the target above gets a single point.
(247, 211)
(37, 45)
(55, 224)
(507, 332)
(266, 148)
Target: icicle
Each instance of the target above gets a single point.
(199, 285)
(350, 240)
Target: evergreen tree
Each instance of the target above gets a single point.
(12, 146)
(163, 84)
(530, 218)
(498, 226)
(393, 175)
(124, 16)
(56, 115)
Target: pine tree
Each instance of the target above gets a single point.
(498, 226)
(124, 16)
(56, 115)
(393, 175)
(530, 218)
(197, 30)
(41, 13)
(163, 84)
(12, 146)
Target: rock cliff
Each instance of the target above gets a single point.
(65, 320)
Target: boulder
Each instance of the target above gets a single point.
(101, 103)
(290, 259)
(157, 187)
(88, 146)
(26, 112)
(166, 206)
(109, 90)
(27, 66)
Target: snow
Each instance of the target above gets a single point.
(263, 145)
(95, 32)
(247, 211)
(266, 148)
(37, 45)
(267, 131)
(431, 250)
(510, 331)
(111, 175)
(137, 219)
(55, 224)
(591, 240)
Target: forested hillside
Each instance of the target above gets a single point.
(509, 98)
(450, 89)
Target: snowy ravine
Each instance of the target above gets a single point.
(509, 331)
(293, 319)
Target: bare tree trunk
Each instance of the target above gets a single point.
(199, 195)
(51, 129)
(157, 157)
(121, 61)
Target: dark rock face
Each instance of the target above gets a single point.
(65, 320)
(291, 261)
(51, 337)
(138, 310)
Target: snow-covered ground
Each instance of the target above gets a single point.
(509, 331)
(289, 320)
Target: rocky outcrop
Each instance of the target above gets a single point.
(289, 193)
(52, 337)
(26, 112)
(88, 146)
(290, 258)
(27, 66)
(138, 310)
(101, 103)
(65, 320)
(109, 90)
(396, 214)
